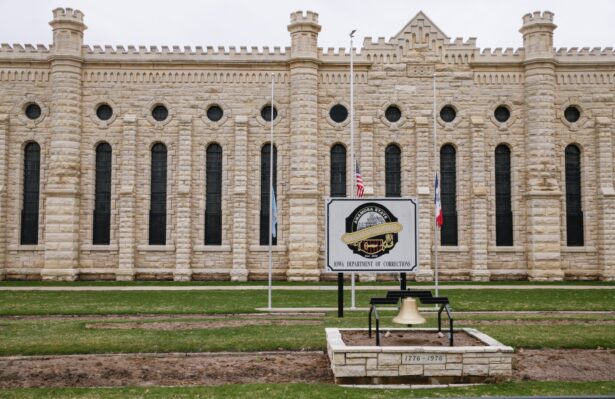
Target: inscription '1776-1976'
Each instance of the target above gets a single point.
(423, 358)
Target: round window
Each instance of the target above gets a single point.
(572, 114)
(392, 113)
(104, 112)
(448, 113)
(266, 113)
(338, 113)
(501, 114)
(33, 111)
(160, 113)
(214, 113)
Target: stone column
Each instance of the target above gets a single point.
(543, 195)
(126, 207)
(607, 198)
(424, 174)
(305, 233)
(183, 223)
(366, 140)
(479, 202)
(62, 196)
(239, 272)
(4, 125)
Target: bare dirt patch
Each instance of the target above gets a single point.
(267, 367)
(164, 369)
(186, 325)
(564, 365)
(408, 338)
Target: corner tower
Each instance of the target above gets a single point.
(543, 194)
(62, 188)
(304, 198)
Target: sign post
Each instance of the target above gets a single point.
(373, 235)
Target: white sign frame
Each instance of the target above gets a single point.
(410, 231)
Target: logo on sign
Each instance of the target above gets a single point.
(371, 230)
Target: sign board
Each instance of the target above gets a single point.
(372, 235)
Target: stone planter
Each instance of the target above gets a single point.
(418, 364)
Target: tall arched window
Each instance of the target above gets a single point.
(31, 184)
(392, 173)
(448, 195)
(102, 196)
(338, 171)
(158, 203)
(213, 195)
(574, 208)
(503, 209)
(264, 214)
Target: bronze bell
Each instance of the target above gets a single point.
(409, 313)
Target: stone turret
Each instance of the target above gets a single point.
(543, 194)
(537, 33)
(304, 198)
(304, 29)
(68, 28)
(63, 182)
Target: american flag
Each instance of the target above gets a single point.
(438, 204)
(359, 178)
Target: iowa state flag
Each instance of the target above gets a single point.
(438, 204)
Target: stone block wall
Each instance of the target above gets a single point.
(69, 80)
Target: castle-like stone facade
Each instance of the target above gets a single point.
(52, 96)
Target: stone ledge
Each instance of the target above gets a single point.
(265, 248)
(212, 248)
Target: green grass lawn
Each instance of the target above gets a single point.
(41, 337)
(301, 391)
(64, 336)
(191, 302)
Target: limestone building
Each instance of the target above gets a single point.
(144, 162)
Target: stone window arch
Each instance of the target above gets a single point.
(213, 195)
(102, 195)
(503, 208)
(31, 193)
(338, 171)
(158, 196)
(392, 174)
(264, 211)
(448, 195)
(574, 205)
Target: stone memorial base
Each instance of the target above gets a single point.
(416, 355)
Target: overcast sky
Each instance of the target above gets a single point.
(587, 23)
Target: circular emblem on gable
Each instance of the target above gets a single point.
(371, 230)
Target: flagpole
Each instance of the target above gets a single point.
(352, 159)
(435, 228)
(270, 194)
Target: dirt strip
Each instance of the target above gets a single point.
(164, 369)
(266, 367)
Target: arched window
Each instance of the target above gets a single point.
(264, 214)
(338, 171)
(574, 209)
(392, 173)
(31, 184)
(213, 195)
(102, 196)
(503, 209)
(448, 195)
(158, 203)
